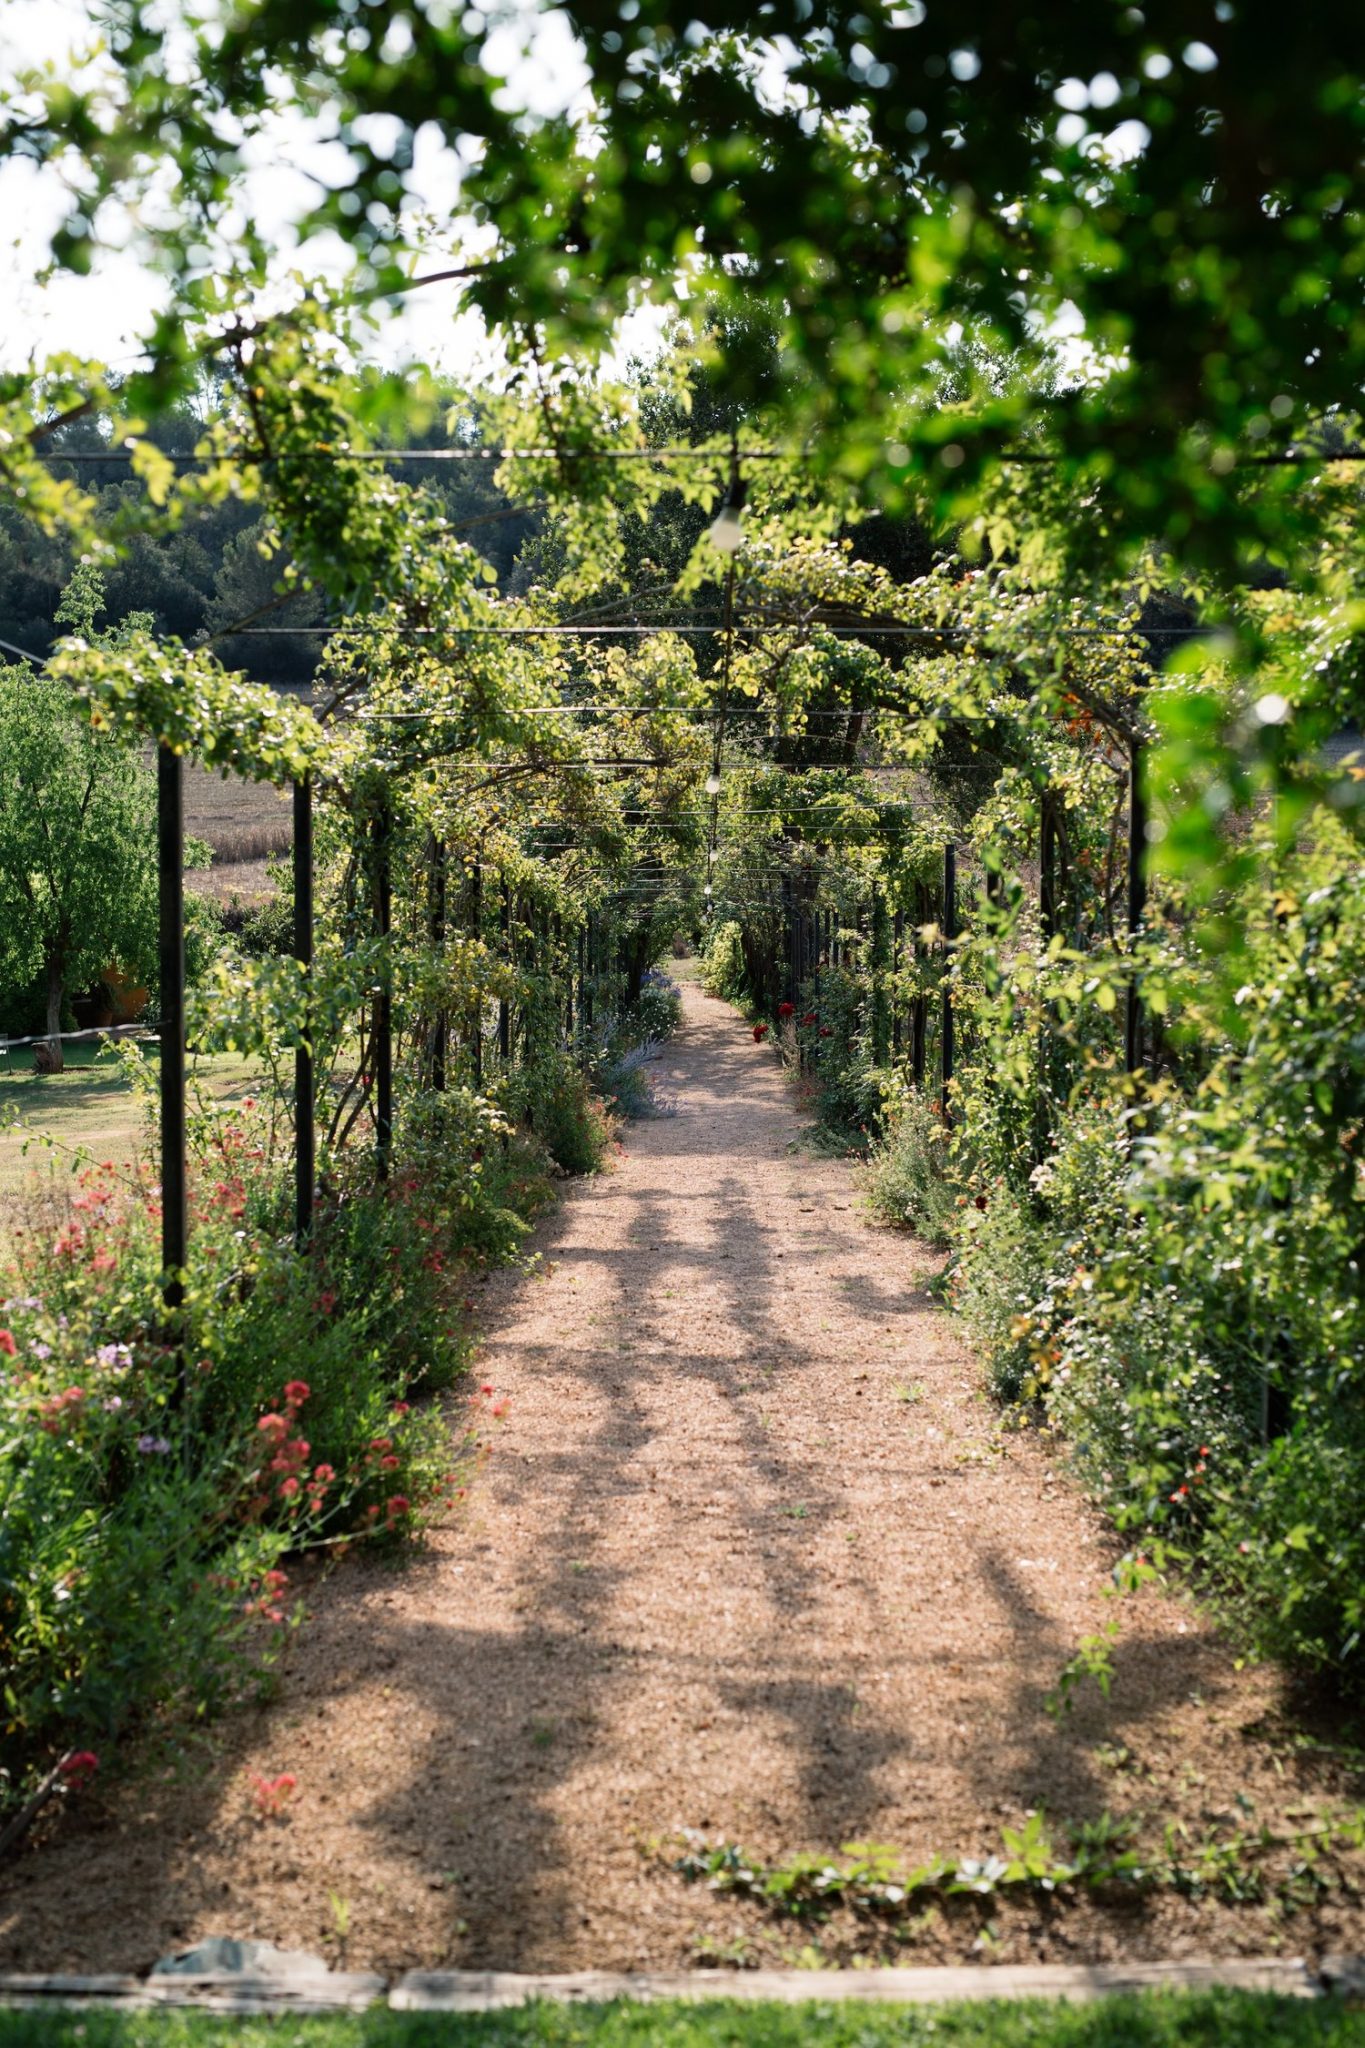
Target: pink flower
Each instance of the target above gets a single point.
(7, 1344)
(397, 1506)
(79, 1768)
(288, 1488)
(296, 1393)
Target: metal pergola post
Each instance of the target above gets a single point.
(1047, 866)
(170, 847)
(436, 925)
(383, 1000)
(476, 927)
(504, 1003)
(949, 934)
(1137, 902)
(305, 1104)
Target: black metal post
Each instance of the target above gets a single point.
(1137, 901)
(585, 971)
(437, 928)
(305, 1106)
(383, 1000)
(919, 1009)
(476, 931)
(1047, 866)
(897, 956)
(170, 846)
(504, 1005)
(949, 934)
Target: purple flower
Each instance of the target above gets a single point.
(112, 1406)
(42, 1351)
(114, 1357)
(153, 1446)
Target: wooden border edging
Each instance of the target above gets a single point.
(489, 1990)
(495, 1990)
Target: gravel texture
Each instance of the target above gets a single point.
(751, 1554)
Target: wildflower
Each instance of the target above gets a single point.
(7, 1344)
(153, 1446)
(114, 1357)
(400, 1408)
(811, 1017)
(79, 1768)
(272, 1795)
(324, 1475)
(389, 1464)
(487, 1387)
(272, 1425)
(825, 1031)
(288, 1488)
(275, 1581)
(296, 1393)
(113, 1404)
(397, 1506)
(785, 1010)
(42, 1351)
(760, 1033)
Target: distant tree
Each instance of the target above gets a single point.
(77, 818)
(249, 589)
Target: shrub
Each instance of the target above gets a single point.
(570, 1118)
(147, 1519)
(656, 1012)
(722, 963)
(906, 1181)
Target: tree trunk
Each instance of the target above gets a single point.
(52, 1062)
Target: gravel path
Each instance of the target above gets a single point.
(751, 1555)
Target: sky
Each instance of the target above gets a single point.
(101, 315)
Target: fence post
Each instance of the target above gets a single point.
(897, 954)
(305, 1107)
(1137, 901)
(170, 847)
(383, 1002)
(949, 934)
(438, 940)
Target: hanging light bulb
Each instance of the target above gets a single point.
(712, 783)
(727, 529)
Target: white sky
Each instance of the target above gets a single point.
(102, 314)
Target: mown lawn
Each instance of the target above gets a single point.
(1155, 2020)
(88, 1108)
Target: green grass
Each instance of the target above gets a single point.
(1155, 2020)
(89, 1106)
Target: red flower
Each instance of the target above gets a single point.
(296, 1393)
(811, 1017)
(825, 1031)
(785, 1010)
(324, 1475)
(288, 1488)
(79, 1768)
(397, 1506)
(7, 1344)
(760, 1033)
